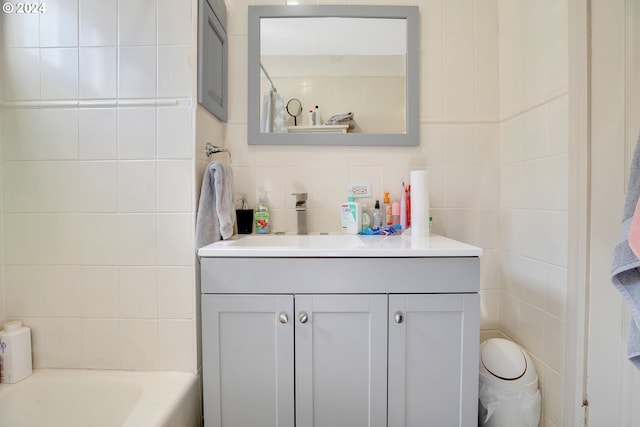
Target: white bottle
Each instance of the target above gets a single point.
(15, 352)
(351, 217)
(317, 118)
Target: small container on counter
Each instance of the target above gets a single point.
(244, 217)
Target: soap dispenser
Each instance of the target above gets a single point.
(244, 216)
(261, 216)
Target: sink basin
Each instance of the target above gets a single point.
(336, 245)
(317, 241)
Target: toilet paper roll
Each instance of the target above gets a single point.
(419, 203)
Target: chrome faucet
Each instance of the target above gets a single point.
(301, 211)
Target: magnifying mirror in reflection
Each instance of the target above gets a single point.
(294, 109)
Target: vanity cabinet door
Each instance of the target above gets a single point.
(341, 360)
(433, 360)
(247, 346)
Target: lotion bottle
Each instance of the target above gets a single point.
(386, 209)
(351, 216)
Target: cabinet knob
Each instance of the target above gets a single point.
(283, 318)
(303, 317)
(398, 317)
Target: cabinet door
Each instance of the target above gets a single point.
(212, 58)
(433, 360)
(247, 346)
(341, 360)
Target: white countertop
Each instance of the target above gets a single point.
(338, 246)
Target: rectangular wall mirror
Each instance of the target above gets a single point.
(333, 75)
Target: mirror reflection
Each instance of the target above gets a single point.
(347, 73)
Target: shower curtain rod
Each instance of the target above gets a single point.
(268, 77)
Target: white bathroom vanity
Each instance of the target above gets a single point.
(340, 330)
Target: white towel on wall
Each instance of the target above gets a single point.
(625, 271)
(216, 209)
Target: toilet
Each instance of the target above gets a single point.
(508, 395)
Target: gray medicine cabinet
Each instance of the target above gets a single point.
(212, 57)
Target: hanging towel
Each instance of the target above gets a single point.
(634, 231)
(625, 272)
(216, 211)
(274, 119)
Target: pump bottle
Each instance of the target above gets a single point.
(351, 216)
(386, 209)
(261, 214)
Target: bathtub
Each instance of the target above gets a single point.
(70, 398)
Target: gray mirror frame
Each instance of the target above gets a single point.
(409, 138)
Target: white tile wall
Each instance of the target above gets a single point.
(101, 341)
(97, 182)
(175, 133)
(98, 23)
(97, 134)
(534, 187)
(176, 71)
(59, 127)
(100, 293)
(137, 191)
(21, 74)
(137, 71)
(63, 342)
(139, 344)
(137, 133)
(97, 186)
(97, 71)
(59, 25)
(22, 32)
(137, 23)
(175, 20)
(59, 73)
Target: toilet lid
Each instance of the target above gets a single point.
(503, 359)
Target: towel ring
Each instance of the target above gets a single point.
(212, 149)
